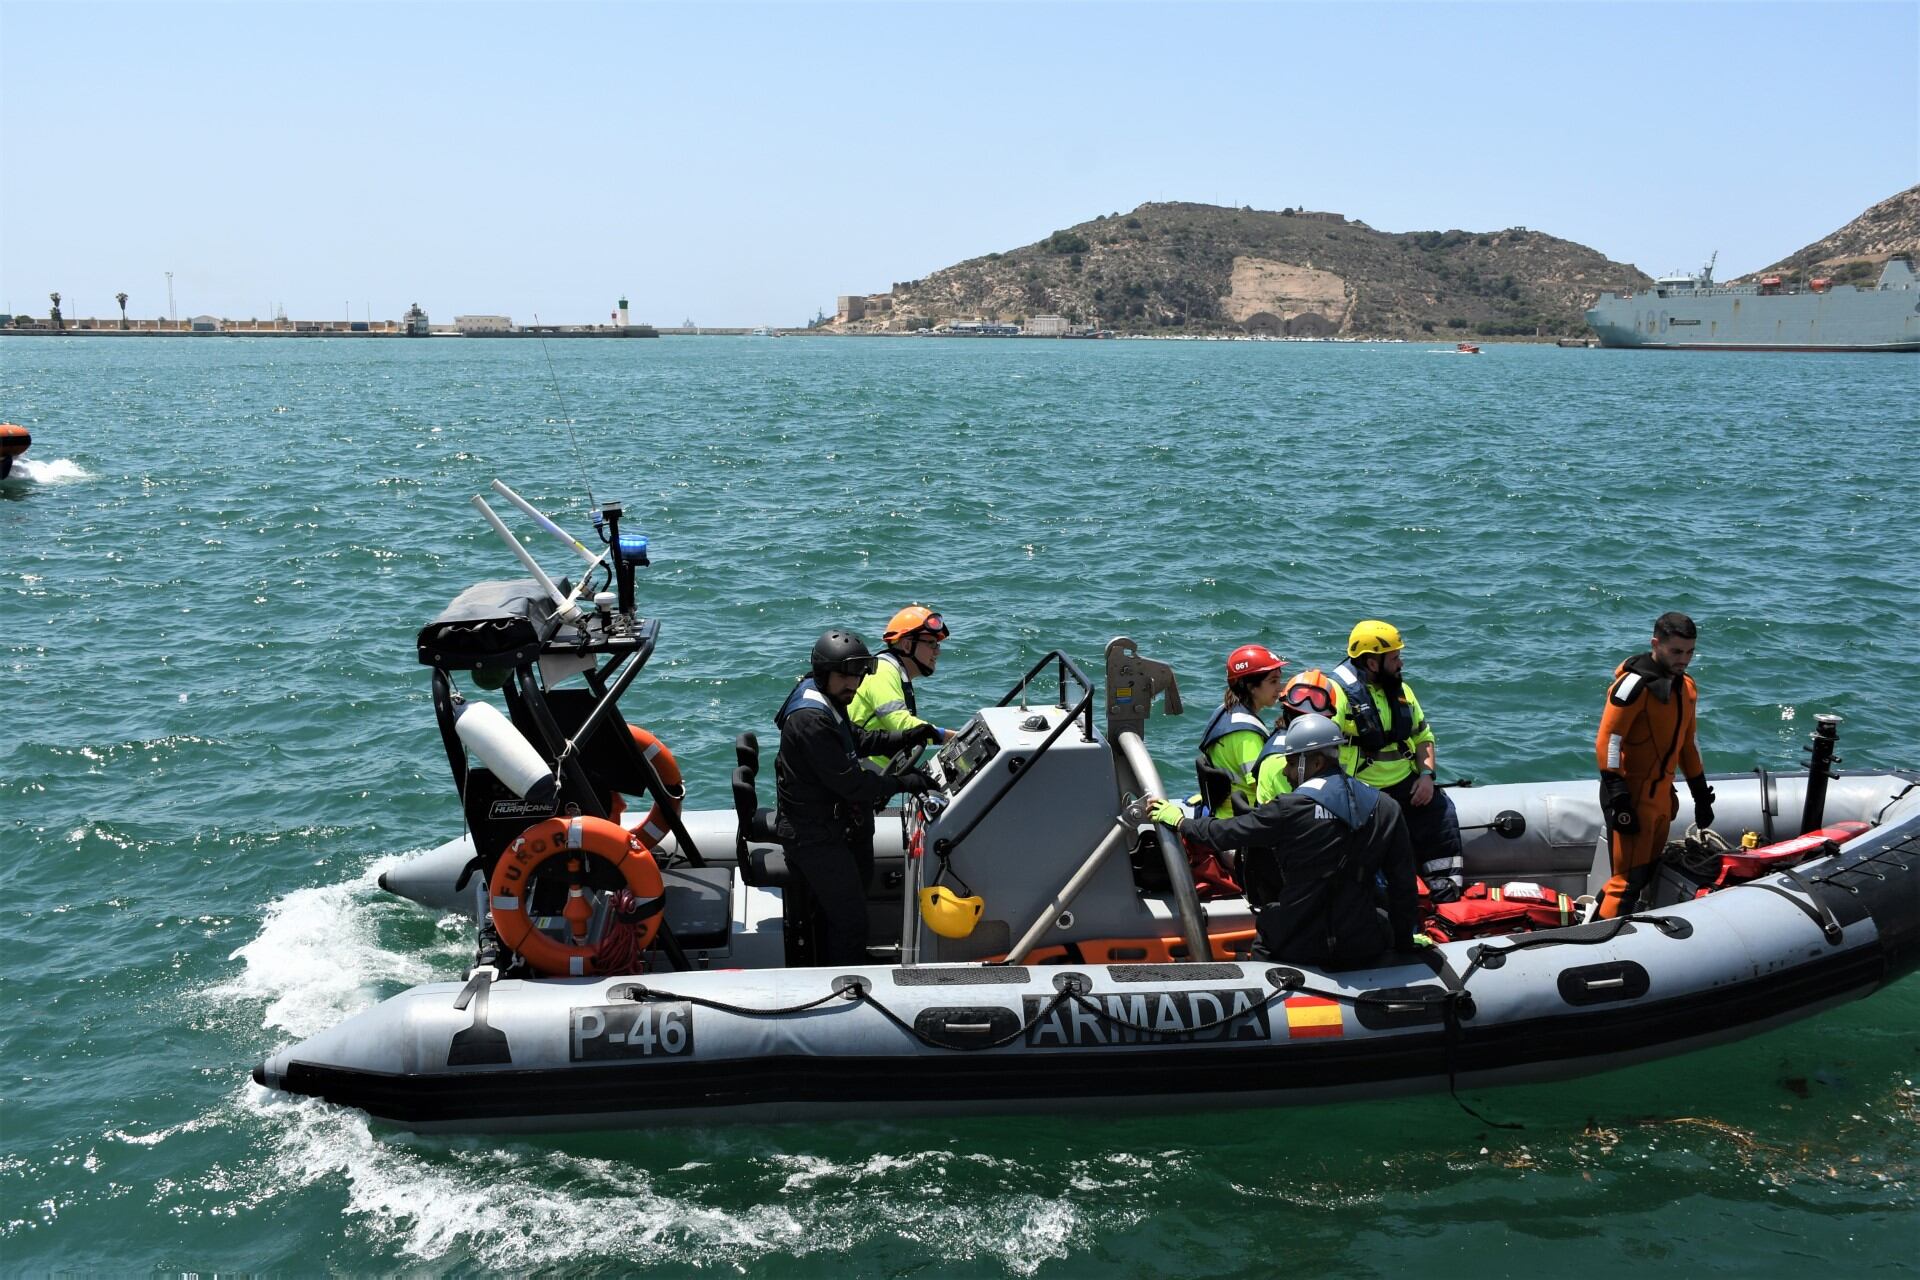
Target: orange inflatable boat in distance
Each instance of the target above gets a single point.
(14, 440)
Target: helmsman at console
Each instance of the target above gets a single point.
(828, 791)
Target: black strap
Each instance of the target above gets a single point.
(1814, 909)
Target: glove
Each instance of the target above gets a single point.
(921, 734)
(917, 782)
(1702, 800)
(1616, 801)
(1167, 813)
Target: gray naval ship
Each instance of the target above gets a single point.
(1686, 312)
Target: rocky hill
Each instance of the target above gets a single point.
(1195, 267)
(1855, 253)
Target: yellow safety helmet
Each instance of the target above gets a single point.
(1373, 636)
(912, 620)
(948, 914)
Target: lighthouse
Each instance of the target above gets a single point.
(623, 313)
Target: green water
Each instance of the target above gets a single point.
(216, 736)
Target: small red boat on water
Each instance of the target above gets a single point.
(14, 441)
(1467, 348)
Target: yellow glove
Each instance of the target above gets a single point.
(1167, 813)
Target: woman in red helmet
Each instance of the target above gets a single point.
(1233, 737)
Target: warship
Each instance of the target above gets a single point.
(1692, 313)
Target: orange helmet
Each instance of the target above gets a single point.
(915, 619)
(1251, 661)
(1310, 691)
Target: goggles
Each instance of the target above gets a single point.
(862, 667)
(932, 629)
(1305, 698)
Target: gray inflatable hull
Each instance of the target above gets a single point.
(1563, 846)
(786, 1044)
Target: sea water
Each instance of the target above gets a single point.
(216, 736)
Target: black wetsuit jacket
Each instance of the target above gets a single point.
(826, 790)
(1309, 867)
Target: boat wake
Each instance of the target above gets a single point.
(320, 956)
(52, 471)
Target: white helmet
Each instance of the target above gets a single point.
(1312, 733)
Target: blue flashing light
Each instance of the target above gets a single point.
(633, 547)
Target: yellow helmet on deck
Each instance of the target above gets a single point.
(1373, 636)
(948, 914)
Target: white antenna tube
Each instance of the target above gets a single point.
(538, 517)
(562, 605)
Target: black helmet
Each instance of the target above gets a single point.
(842, 652)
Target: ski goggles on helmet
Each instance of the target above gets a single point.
(863, 665)
(1308, 698)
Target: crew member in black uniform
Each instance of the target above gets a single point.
(1312, 859)
(828, 791)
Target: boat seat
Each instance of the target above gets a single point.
(1216, 784)
(766, 868)
(756, 820)
(699, 905)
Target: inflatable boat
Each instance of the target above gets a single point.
(656, 965)
(14, 441)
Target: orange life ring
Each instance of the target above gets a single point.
(655, 828)
(562, 837)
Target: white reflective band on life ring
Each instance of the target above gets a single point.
(506, 904)
(574, 834)
(576, 966)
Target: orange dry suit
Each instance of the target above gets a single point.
(1646, 729)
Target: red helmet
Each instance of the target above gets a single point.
(1251, 661)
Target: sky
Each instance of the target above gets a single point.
(743, 164)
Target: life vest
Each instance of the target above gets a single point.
(1514, 907)
(1347, 799)
(807, 694)
(1375, 739)
(1276, 745)
(906, 683)
(1231, 719)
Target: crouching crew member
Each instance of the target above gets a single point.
(1312, 859)
(1231, 740)
(1393, 749)
(827, 793)
(885, 699)
(1646, 729)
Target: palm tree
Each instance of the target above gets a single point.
(121, 298)
(56, 309)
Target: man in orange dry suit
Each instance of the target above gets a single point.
(1646, 729)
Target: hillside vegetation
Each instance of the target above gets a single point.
(1855, 253)
(1178, 267)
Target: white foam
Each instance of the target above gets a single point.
(508, 1208)
(318, 956)
(51, 471)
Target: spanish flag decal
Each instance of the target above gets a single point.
(1310, 1016)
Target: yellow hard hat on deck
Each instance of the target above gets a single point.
(1373, 636)
(948, 914)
